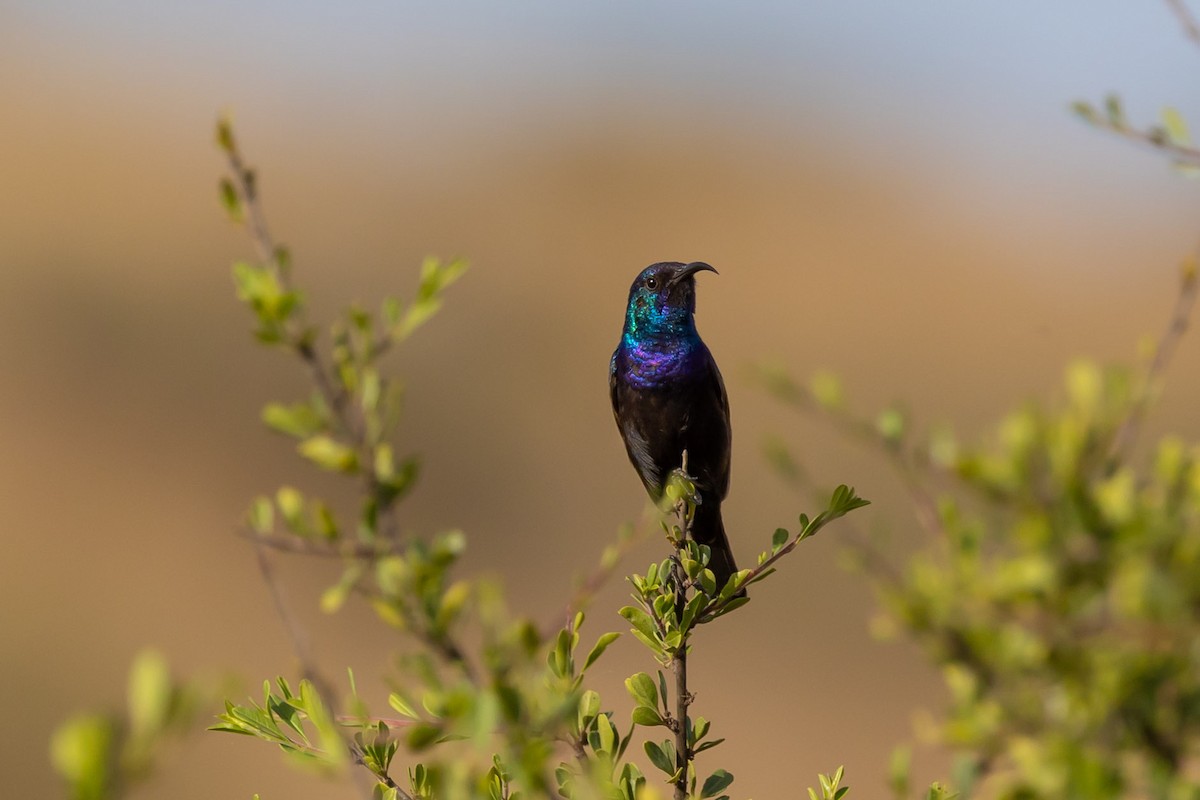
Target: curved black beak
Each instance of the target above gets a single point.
(691, 269)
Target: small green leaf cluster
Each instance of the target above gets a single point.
(831, 786)
(298, 722)
(101, 755)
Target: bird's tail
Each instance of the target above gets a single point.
(708, 529)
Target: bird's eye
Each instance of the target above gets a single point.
(652, 282)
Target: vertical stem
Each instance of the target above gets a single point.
(683, 754)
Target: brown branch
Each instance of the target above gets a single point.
(301, 646)
(924, 505)
(1186, 19)
(593, 583)
(313, 547)
(1154, 138)
(683, 753)
(577, 747)
(302, 649)
(1177, 325)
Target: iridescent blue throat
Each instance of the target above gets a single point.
(660, 344)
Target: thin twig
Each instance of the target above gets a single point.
(924, 504)
(1177, 325)
(265, 248)
(873, 558)
(594, 582)
(1154, 139)
(320, 549)
(301, 646)
(1187, 20)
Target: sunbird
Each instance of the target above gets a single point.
(668, 396)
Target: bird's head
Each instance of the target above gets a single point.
(662, 300)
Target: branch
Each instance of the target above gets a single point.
(905, 466)
(1154, 138)
(1177, 325)
(299, 640)
(246, 186)
(296, 634)
(683, 754)
(321, 549)
(1186, 20)
(593, 583)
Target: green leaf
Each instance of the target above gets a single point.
(661, 756)
(224, 135)
(589, 708)
(716, 783)
(607, 734)
(641, 688)
(291, 505)
(891, 424)
(81, 750)
(708, 745)
(300, 420)
(646, 717)
(826, 389)
(391, 311)
(598, 649)
(150, 694)
(1115, 112)
(328, 453)
(694, 606)
(452, 603)
(230, 201)
(262, 515)
(401, 705)
(779, 539)
(1085, 111)
(1175, 127)
(641, 621)
(324, 521)
(435, 277)
(899, 768)
(335, 596)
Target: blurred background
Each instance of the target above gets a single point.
(892, 190)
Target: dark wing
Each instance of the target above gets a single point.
(718, 390)
(636, 446)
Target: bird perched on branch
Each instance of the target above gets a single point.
(668, 397)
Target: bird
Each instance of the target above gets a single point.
(668, 396)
